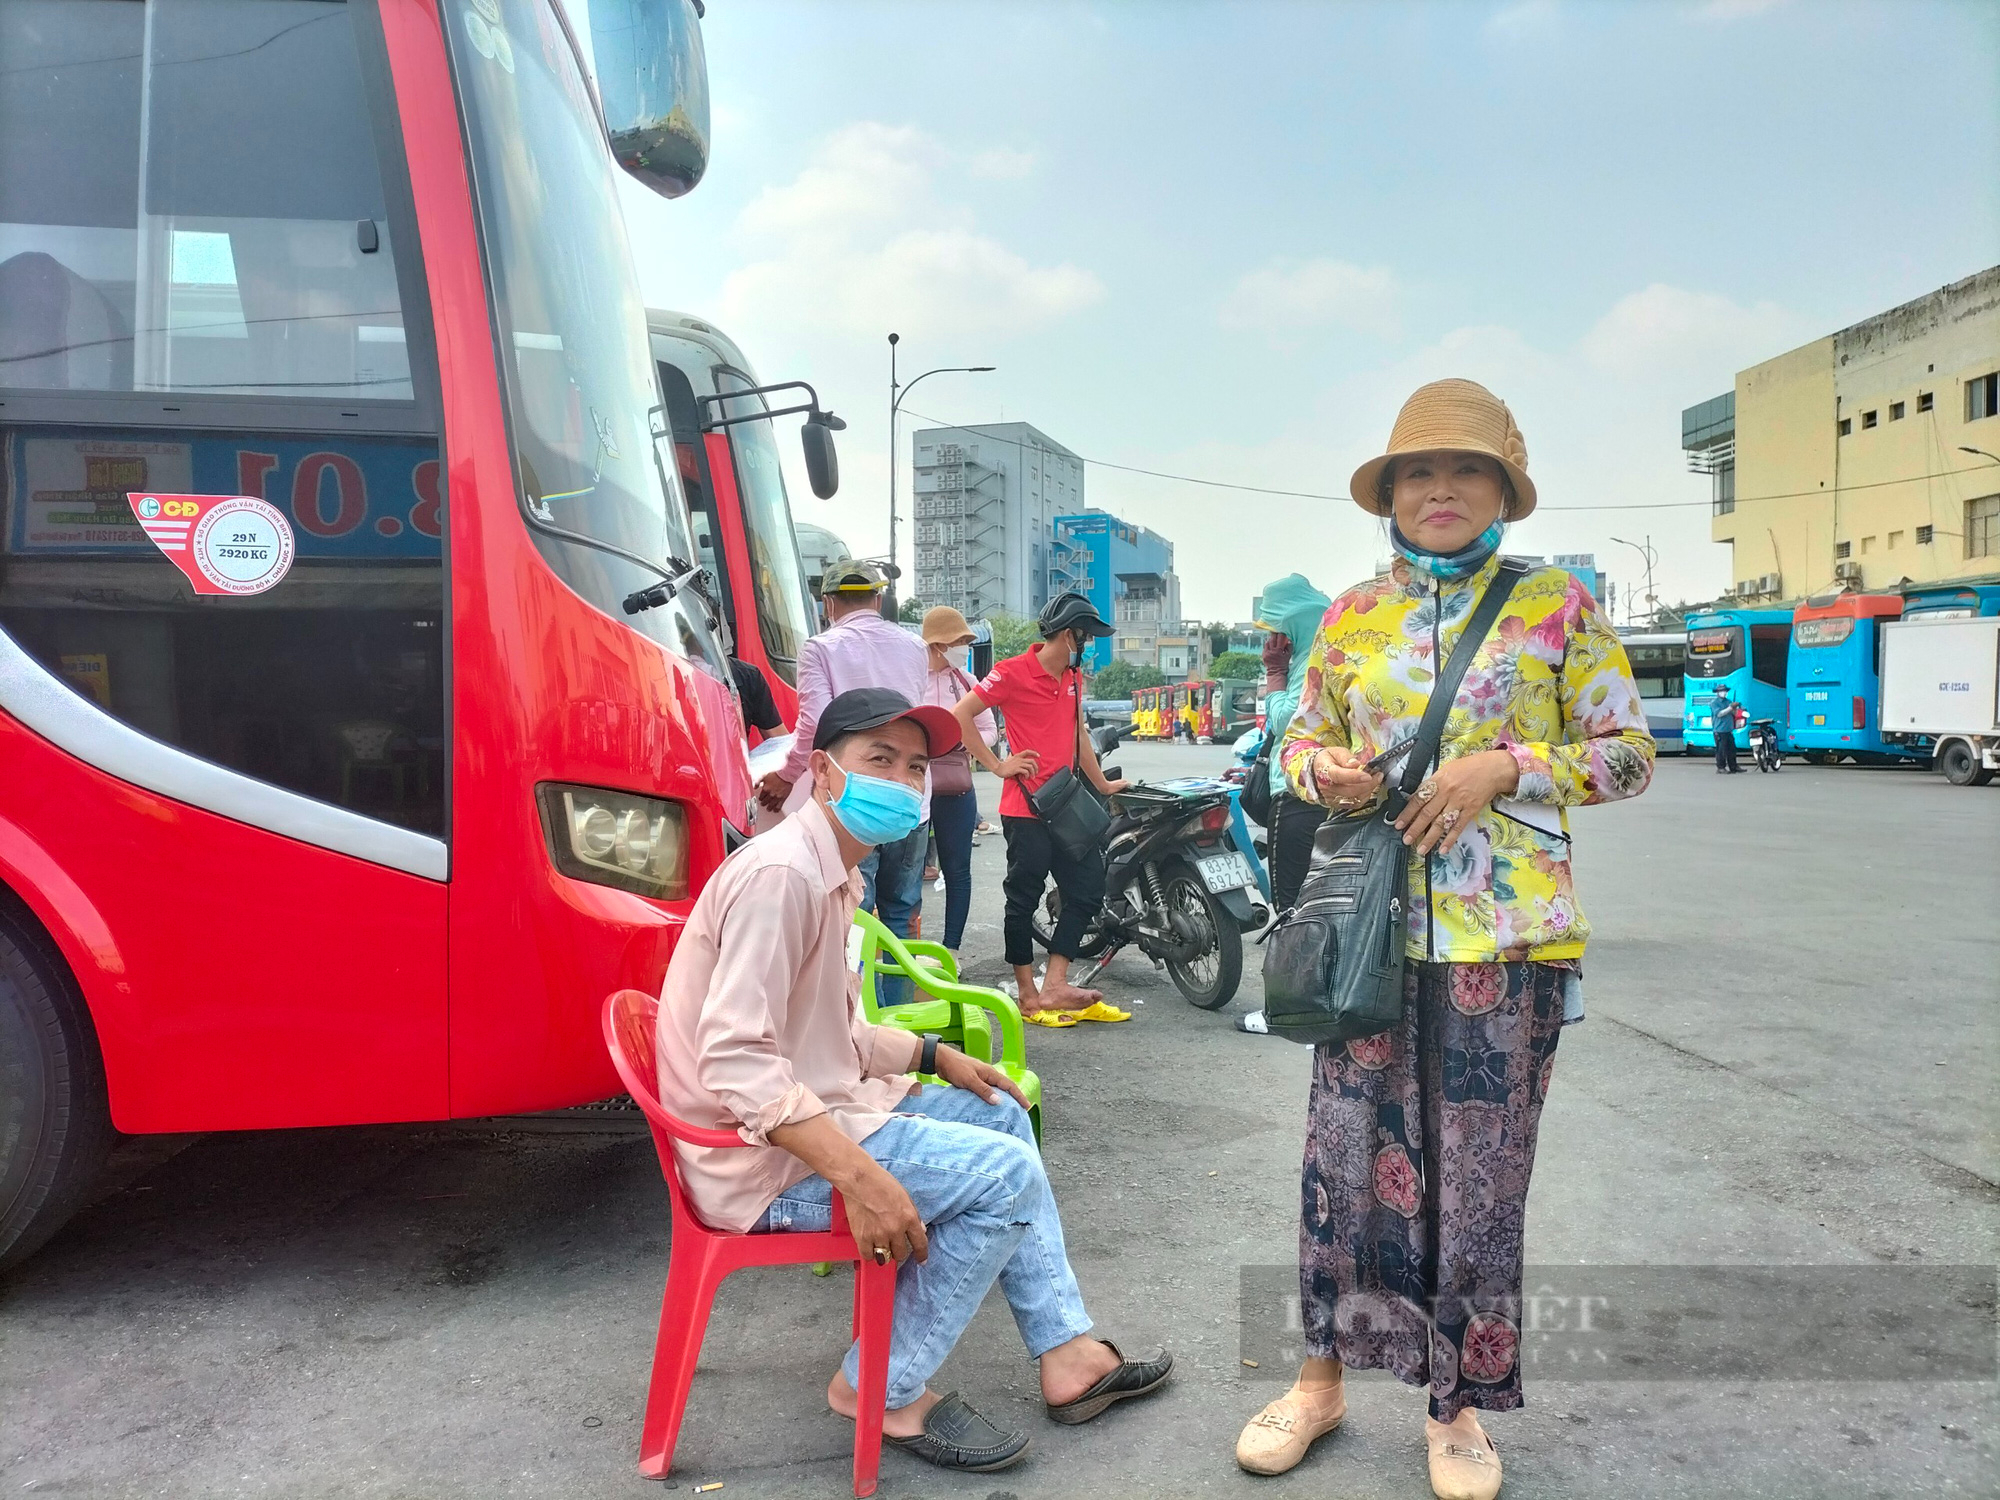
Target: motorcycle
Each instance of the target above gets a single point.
(1176, 886)
(1764, 745)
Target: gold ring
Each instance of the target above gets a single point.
(1427, 791)
(881, 1254)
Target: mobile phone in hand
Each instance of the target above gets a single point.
(1378, 764)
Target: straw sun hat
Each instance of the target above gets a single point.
(945, 626)
(1456, 415)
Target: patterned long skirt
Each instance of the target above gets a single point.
(1419, 1144)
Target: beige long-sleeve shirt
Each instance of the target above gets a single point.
(760, 1019)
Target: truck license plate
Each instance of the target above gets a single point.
(1226, 872)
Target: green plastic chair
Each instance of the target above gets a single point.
(964, 1014)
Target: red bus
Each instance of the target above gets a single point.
(340, 786)
(729, 468)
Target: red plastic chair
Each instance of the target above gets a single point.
(699, 1257)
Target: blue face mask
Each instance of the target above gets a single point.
(876, 811)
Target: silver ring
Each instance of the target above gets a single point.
(1427, 791)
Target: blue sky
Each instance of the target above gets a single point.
(1228, 240)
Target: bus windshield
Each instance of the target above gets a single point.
(776, 574)
(590, 439)
(1714, 651)
(1830, 631)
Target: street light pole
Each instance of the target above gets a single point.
(896, 395)
(1649, 555)
(1978, 453)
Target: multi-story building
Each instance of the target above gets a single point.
(1865, 458)
(1105, 559)
(986, 499)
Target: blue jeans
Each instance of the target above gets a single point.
(895, 874)
(975, 1176)
(953, 817)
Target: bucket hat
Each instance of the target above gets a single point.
(945, 626)
(1451, 415)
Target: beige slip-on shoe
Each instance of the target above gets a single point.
(1276, 1439)
(1464, 1465)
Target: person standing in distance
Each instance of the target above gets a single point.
(860, 649)
(1041, 693)
(1722, 716)
(954, 802)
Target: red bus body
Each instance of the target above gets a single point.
(240, 978)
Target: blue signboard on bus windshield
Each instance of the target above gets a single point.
(347, 496)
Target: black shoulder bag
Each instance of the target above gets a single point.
(1334, 968)
(1067, 804)
(1256, 796)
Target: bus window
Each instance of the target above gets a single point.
(239, 251)
(691, 463)
(1657, 669)
(575, 359)
(1829, 630)
(1770, 649)
(767, 527)
(1714, 651)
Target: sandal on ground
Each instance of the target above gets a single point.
(1133, 1377)
(1462, 1469)
(1048, 1017)
(1275, 1440)
(957, 1437)
(1102, 1010)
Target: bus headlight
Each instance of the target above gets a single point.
(619, 839)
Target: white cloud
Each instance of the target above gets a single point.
(862, 241)
(1003, 162)
(1523, 18)
(1668, 333)
(1287, 296)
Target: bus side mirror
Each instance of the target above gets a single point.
(822, 463)
(652, 85)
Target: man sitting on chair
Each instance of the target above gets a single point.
(760, 1031)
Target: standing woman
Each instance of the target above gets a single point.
(1420, 1140)
(954, 813)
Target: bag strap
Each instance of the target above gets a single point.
(1444, 691)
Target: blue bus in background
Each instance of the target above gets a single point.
(1962, 598)
(1836, 672)
(1744, 650)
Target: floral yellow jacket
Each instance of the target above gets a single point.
(1551, 686)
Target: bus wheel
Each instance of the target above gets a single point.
(55, 1125)
(1960, 764)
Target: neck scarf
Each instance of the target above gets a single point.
(1463, 563)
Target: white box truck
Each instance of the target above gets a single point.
(1941, 684)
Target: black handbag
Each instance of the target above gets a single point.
(1256, 795)
(1334, 967)
(1068, 805)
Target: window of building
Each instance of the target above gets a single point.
(1895, 540)
(1867, 545)
(1982, 526)
(1982, 397)
(1725, 489)
(1924, 401)
(1924, 535)
(1846, 426)
(1868, 420)
(1896, 409)
(1842, 549)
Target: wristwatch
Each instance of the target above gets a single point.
(928, 1062)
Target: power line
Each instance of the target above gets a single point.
(1256, 489)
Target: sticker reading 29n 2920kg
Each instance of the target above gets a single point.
(222, 544)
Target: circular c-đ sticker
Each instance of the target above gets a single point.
(242, 545)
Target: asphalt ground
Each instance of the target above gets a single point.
(1789, 1061)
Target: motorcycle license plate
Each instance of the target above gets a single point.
(1225, 872)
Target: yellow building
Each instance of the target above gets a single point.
(1866, 459)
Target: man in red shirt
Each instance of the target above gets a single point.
(1041, 693)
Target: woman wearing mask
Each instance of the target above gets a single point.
(954, 803)
(1291, 611)
(1420, 1140)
